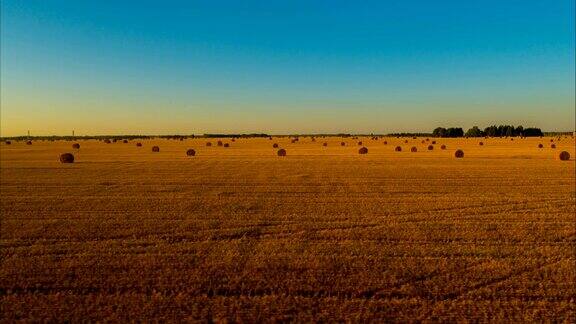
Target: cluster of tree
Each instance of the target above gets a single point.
(491, 131)
(448, 132)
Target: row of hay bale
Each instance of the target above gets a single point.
(69, 157)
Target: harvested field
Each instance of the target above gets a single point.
(322, 234)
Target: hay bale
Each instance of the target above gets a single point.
(325, 144)
(8, 142)
(190, 152)
(233, 140)
(430, 147)
(219, 143)
(443, 147)
(481, 143)
(363, 150)
(66, 158)
(275, 145)
(107, 141)
(406, 142)
(139, 144)
(226, 145)
(459, 154)
(76, 146)
(29, 143)
(155, 149)
(281, 152)
(342, 144)
(125, 141)
(540, 145)
(427, 140)
(414, 149)
(360, 143)
(564, 156)
(208, 144)
(551, 140)
(553, 145)
(114, 140)
(398, 149)
(385, 143)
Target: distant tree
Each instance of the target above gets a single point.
(519, 131)
(454, 132)
(474, 132)
(532, 132)
(491, 131)
(509, 131)
(439, 132)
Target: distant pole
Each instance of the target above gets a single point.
(28, 133)
(72, 133)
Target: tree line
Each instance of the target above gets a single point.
(491, 131)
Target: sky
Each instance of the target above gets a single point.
(284, 67)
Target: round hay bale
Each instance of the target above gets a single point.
(114, 140)
(293, 141)
(360, 143)
(325, 144)
(107, 141)
(414, 149)
(275, 145)
(125, 141)
(398, 149)
(459, 154)
(430, 147)
(270, 138)
(385, 143)
(564, 156)
(551, 140)
(208, 144)
(433, 142)
(427, 140)
(155, 149)
(553, 145)
(8, 142)
(219, 143)
(190, 152)
(139, 144)
(66, 158)
(233, 140)
(342, 144)
(226, 145)
(76, 146)
(540, 145)
(414, 137)
(363, 150)
(443, 147)
(481, 143)
(313, 139)
(406, 142)
(29, 143)
(281, 152)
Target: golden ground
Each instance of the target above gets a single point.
(324, 233)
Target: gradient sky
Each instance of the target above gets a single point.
(182, 67)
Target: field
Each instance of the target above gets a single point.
(323, 234)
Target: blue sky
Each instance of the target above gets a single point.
(150, 67)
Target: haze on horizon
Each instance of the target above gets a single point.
(108, 67)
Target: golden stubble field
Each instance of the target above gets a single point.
(322, 234)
